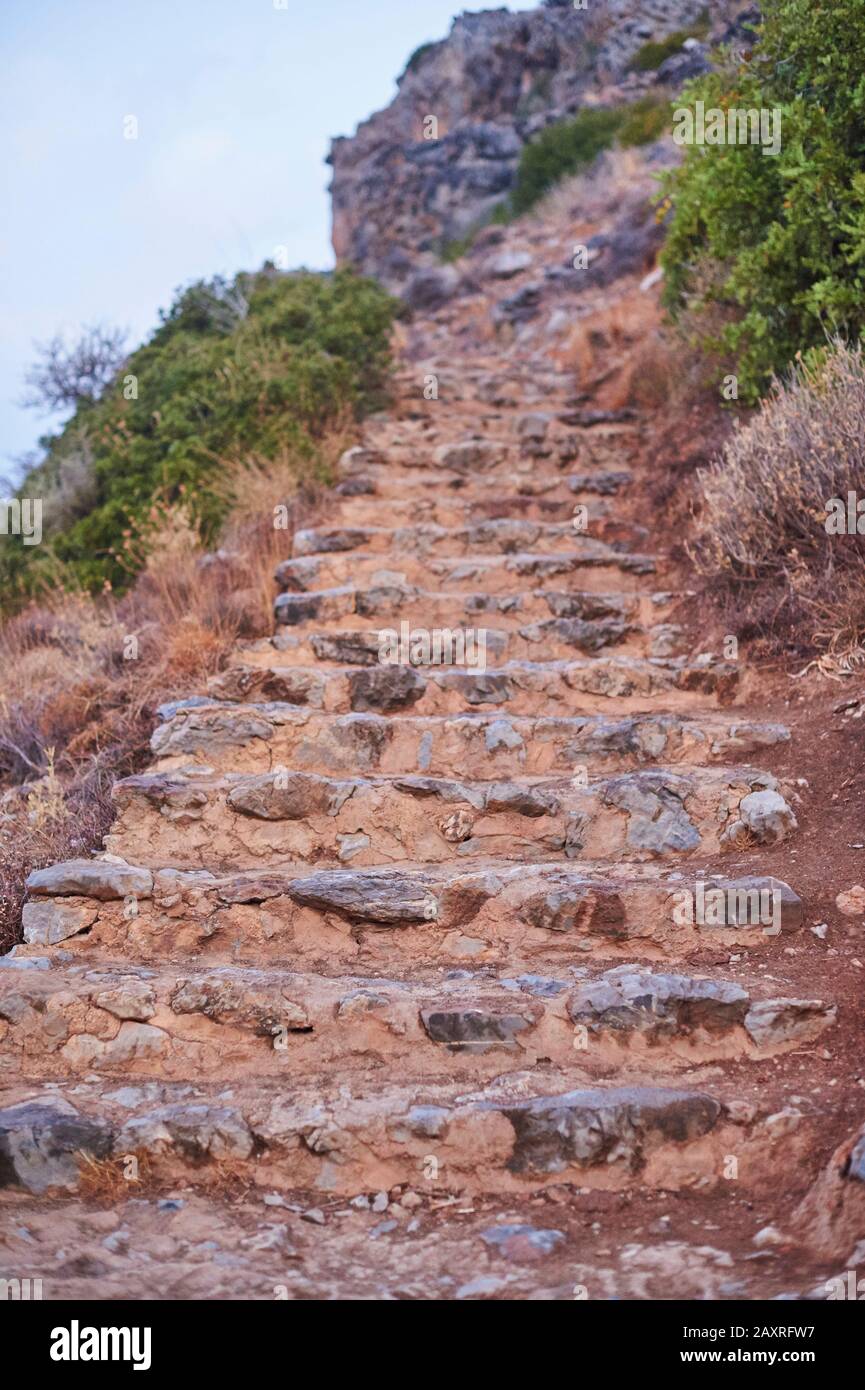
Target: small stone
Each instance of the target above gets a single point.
(769, 1236)
(852, 902)
(522, 1242)
(483, 1284)
(314, 1215)
(380, 1202)
(767, 816)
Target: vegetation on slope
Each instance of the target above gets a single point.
(766, 255)
(239, 371)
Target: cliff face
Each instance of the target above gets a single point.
(490, 85)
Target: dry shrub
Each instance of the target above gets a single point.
(82, 676)
(762, 505)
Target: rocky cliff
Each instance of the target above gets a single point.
(403, 185)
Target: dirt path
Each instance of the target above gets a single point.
(439, 980)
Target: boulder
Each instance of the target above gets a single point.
(41, 1141)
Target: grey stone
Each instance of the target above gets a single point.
(289, 796)
(773, 1021)
(629, 999)
(226, 999)
(432, 286)
(474, 1029)
(91, 878)
(767, 816)
(131, 999)
(46, 923)
(385, 896)
(655, 805)
(385, 688)
(586, 1128)
(195, 1131)
(522, 1242)
(507, 264)
(40, 1142)
(855, 1168)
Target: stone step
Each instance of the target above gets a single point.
(474, 745)
(402, 917)
(624, 683)
(181, 1023)
(286, 817)
(515, 1135)
(550, 639)
(382, 499)
(593, 563)
(396, 602)
(508, 536)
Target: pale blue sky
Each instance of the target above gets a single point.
(236, 101)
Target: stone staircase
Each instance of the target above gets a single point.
(372, 925)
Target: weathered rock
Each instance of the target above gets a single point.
(46, 923)
(507, 264)
(226, 1000)
(388, 897)
(773, 1021)
(856, 1163)
(431, 286)
(474, 1029)
(198, 1132)
(471, 456)
(585, 1128)
(293, 609)
(133, 999)
(575, 908)
(289, 796)
(659, 1004)
(40, 1142)
(496, 80)
(767, 816)
(520, 307)
(385, 688)
(91, 878)
(522, 1243)
(655, 803)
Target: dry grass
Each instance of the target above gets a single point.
(760, 530)
(82, 676)
(104, 1181)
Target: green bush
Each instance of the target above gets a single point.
(561, 149)
(240, 369)
(644, 121)
(766, 255)
(656, 52)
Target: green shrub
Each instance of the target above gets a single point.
(656, 52)
(766, 255)
(644, 121)
(248, 368)
(562, 149)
